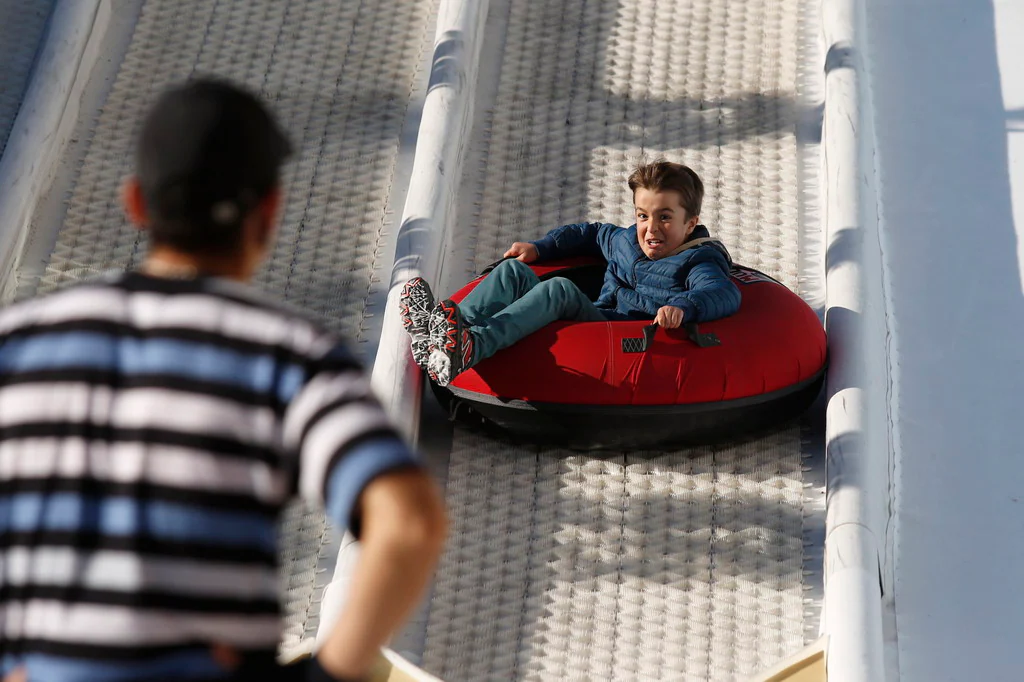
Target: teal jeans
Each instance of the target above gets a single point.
(512, 303)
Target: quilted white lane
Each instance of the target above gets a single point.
(636, 566)
(680, 565)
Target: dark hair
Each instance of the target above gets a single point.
(661, 176)
(199, 234)
(208, 153)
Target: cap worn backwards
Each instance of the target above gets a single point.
(208, 152)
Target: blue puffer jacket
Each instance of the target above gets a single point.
(635, 287)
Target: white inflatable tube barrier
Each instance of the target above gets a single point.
(45, 121)
(857, 427)
(437, 169)
(423, 237)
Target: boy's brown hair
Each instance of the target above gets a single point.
(661, 176)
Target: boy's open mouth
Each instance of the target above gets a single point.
(654, 242)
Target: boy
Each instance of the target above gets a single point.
(665, 267)
(155, 422)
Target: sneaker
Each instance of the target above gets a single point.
(414, 305)
(451, 343)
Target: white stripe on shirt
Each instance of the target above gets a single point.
(329, 434)
(146, 407)
(123, 626)
(120, 571)
(168, 465)
(153, 311)
(321, 390)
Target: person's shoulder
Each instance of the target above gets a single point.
(212, 308)
(242, 300)
(684, 262)
(708, 252)
(257, 317)
(297, 328)
(709, 248)
(618, 233)
(246, 296)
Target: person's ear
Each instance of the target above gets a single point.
(269, 208)
(134, 202)
(691, 224)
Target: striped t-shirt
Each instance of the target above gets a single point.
(150, 432)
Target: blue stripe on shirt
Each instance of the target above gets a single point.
(356, 469)
(179, 665)
(121, 516)
(91, 350)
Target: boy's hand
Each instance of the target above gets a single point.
(523, 251)
(669, 316)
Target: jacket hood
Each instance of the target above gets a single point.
(699, 237)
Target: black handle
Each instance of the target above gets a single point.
(487, 270)
(649, 332)
(699, 338)
(641, 345)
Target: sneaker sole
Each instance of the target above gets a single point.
(415, 305)
(421, 349)
(450, 342)
(439, 367)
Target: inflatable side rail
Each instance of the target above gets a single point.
(857, 437)
(423, 235)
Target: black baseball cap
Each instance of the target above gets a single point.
(208, 152)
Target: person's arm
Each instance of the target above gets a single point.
(403, 531)
(581, 239)
(709, 293)
(351, 458)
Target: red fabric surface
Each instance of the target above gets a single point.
(774, 341)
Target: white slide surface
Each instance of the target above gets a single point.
(693, 564)
(948, 90)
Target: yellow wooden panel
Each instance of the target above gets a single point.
(391, 667)
(807, 665)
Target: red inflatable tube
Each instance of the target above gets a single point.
(578, 384)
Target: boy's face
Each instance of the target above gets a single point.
(662, 225)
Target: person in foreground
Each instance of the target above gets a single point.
(666, 266)
(155, 422)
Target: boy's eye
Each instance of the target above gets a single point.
(665, 218)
